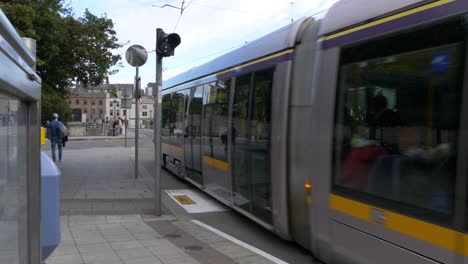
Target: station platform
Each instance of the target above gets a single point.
(106, 215)
(137, 239)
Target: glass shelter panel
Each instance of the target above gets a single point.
(192, 134)
(397, 122)
(13, 173)
(250, 148)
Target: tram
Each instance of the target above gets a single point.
(344, 133)
(20, 183)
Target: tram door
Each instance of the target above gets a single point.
(192, 134)
(251, 122)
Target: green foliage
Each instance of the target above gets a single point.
(69, 50)
(53, 102)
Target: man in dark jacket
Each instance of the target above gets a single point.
(55, 136)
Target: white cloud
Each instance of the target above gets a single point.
(206, 27)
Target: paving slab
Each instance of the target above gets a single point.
(127, 239)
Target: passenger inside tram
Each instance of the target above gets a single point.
(398, 130)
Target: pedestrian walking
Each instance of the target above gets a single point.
(119, 126)
(57, 132)
(114, 128)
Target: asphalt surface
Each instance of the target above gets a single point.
(230, 222)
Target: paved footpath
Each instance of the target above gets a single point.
(133, 239)
(106, 217)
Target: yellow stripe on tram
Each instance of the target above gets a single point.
(222, 165)
(387, 19)
(289, 51)
(173, 148)
(434, 234)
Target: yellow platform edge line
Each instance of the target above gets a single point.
(430, 233)
(387, 19)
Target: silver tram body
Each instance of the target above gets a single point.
(342, 133)
(20, 184)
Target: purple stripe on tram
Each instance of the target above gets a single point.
(234, 72)
(435, 13)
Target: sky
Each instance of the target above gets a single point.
(208, 28)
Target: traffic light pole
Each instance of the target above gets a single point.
(137, 120)
(157, 92)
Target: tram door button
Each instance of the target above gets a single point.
(378, 216)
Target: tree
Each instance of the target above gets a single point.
(69, 50)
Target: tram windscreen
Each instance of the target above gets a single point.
(397, 126)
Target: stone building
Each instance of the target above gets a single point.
(99, 103)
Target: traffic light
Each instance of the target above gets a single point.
(166, 43)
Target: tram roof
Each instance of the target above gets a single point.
(276, 41)
(348, 13)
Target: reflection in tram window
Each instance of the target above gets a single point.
(216, 119)
(215, 139)
(166, 118)
(251, 153)
(192, 134)
(240, 151)
(178, 118)
(397, 127)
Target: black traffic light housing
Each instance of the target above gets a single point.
(166, 43)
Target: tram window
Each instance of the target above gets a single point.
(250, 149)
(240, 154)
(166, 118)
(397, 122)
(216, 107)
(260, 159)
(178, 110)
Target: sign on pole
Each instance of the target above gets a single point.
(136, 56)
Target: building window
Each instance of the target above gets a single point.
(144, 113)
(100, 112)
(85, 111)
(118, 112)
(110, 104)
(85, 102)
(77, 101)
(100, 102)
(69, 101)
(125, 112)
(111, 113)
(92, 102)
(92, 111)
(145, 106)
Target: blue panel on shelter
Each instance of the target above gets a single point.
(50, 205)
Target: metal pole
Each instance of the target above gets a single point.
(126, 125)
(157, 92)
(137, 121)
